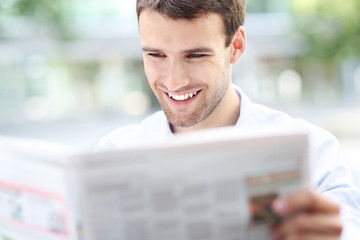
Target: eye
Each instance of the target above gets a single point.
(156, 55)
(196, 55)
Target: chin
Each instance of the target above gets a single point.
(186, 122)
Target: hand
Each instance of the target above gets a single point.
(307, 215)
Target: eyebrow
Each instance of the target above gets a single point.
(198, 50)
(149, 49)
(192, 50)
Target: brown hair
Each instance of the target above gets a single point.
(232, 11)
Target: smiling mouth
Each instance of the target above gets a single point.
(182, 97)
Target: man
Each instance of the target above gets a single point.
(189, 48)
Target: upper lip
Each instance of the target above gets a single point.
(183, 93)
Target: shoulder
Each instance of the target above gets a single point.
(260, 115)
(324, 151)
(151, 128)
(319, 138)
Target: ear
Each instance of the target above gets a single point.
(238, 45)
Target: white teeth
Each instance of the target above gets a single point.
(182, 97)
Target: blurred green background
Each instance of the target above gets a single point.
(70, 71)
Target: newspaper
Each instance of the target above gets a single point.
(217, 184)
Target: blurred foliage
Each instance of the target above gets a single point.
(52, 15)
(330, 27)
(268, 6)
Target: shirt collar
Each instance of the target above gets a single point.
(245, 118)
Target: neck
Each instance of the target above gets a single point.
(225, 114)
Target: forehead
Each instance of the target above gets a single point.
(158, 31)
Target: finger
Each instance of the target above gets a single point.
(304, 201)
(309, 237)
(309, 224)
(315, 237)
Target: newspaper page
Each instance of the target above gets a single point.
(34, 198)
(215, 185)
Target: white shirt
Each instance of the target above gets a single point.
(329, 173)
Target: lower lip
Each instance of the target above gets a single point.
(183, 103)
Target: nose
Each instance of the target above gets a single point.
(176, 77)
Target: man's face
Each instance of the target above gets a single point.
(187, 65)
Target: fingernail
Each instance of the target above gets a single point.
(280, 206)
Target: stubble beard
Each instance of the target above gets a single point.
(207, 103)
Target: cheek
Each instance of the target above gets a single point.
(199, 71)
(153, 71)
(205, 72)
